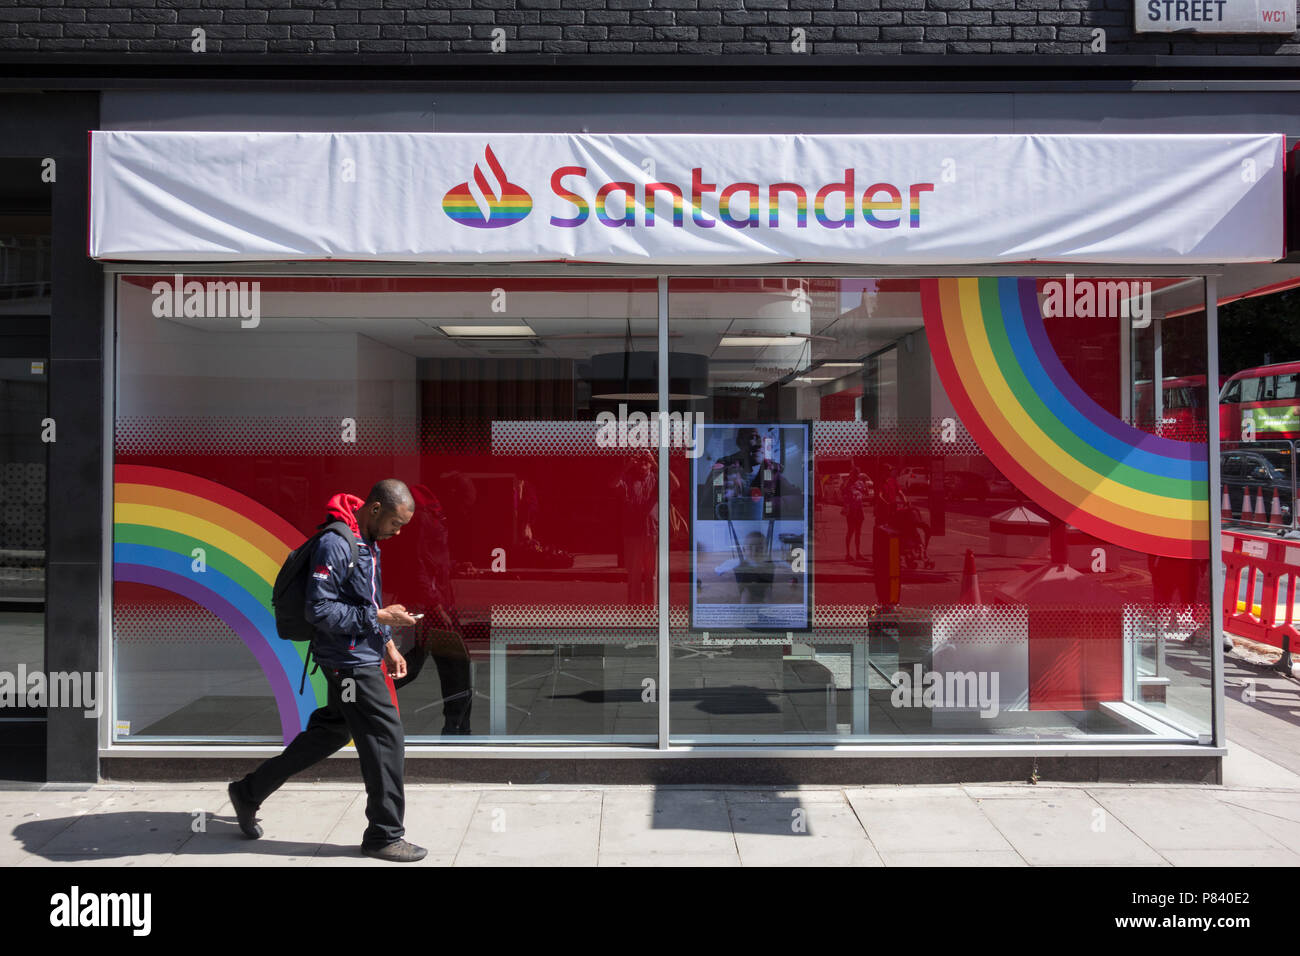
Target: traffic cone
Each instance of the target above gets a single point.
(1261, 517)
(1226, 508)
(970, 581)
(1246, 507)
(1275, 510)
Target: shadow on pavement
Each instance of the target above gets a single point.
(106, 836)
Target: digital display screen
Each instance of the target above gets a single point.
(749, 531)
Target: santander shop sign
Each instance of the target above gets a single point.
(491, 201)
(653, 199)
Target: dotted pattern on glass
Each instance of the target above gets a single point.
(22, 521)
(216, 436)
(838, 439)
(169, 624)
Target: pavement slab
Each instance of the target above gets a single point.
(129, 823)
(1277, 815)
(964, 858)
(1066, 827)
(30, 819)
(295, 825)
(1243, 767)
(657, 827)
(1254, 822)
(551, 828)
(1231, 859)
(927, 819)
(1183, 820)
(795, 833)
(141, 860)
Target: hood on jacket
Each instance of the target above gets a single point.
(343, 507)
(426, 499)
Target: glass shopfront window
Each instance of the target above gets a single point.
(532, 547)
(897, 508)
(918, 512)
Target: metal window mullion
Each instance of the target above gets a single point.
(665, 525)
(1129, 376)
(1158, 375)
(107, 610)
(1219, 735)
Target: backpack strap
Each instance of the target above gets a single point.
(344, 532)
(302, 684)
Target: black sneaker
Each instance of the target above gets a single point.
(398, 851)
(245, 812)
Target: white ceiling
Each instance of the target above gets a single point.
(850, 321)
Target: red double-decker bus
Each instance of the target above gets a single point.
(1261, 403)
(1184, 406)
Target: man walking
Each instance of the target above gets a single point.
(353, 638)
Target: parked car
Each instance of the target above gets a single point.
(914, 479)
(1000, 487)
(1247, 471)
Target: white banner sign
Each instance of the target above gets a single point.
(1214, 16)
(685, 199)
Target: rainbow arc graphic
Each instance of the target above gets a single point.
(1084, 465)
(161, 516)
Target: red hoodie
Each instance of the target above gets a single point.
(344, 507)
(343, 601)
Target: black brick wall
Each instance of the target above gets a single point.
(641, 27)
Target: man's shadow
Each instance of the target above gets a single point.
(169, 831)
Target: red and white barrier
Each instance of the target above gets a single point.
(1271, 567)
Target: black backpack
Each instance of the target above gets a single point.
(289, 595)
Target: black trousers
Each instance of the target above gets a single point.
(364, 710)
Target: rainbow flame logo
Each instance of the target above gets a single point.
(479, 204)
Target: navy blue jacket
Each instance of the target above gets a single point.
(343, 604)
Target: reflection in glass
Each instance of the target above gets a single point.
(949, 591)
(531, 551)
